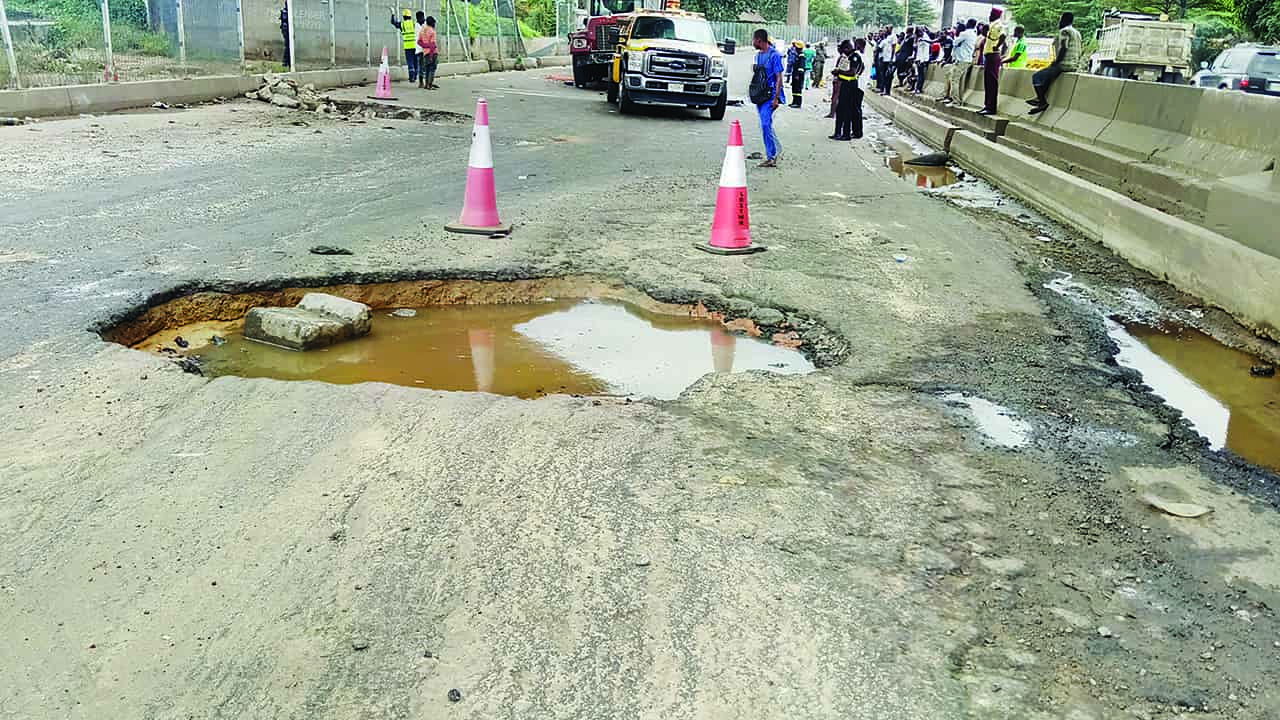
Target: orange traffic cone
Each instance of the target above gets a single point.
(480, 201)
(731, 228)
(384, 79)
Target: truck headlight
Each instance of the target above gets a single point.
(635, 62)
(717, 67)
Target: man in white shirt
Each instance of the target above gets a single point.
(884, 54)
(923, 41)
(966, 45)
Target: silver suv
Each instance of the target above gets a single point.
(1248, 67)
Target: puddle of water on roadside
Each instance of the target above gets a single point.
(922, 176)
(1210, 383)
(998, 424)
(524, 350)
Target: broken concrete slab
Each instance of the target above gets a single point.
(318, 321)
(350, 312)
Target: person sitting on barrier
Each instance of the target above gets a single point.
(429, 52)
(1066, 58)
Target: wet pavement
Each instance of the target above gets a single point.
(565, 347)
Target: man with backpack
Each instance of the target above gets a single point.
(766, 92)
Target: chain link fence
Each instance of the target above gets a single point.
(70, 42)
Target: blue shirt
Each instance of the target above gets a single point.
(771, 59)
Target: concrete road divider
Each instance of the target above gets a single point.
(1196, 260)
(108, 97)
(1091, 108)
(933, 129)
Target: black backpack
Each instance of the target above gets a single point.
(759, 91)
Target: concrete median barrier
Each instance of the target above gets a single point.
(1015, 89)
(1149, 117)
(1091, 108)
(933, 129)
(1196, 260)
(37, 102)
(1233, 133)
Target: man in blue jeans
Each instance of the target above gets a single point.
(769, 61)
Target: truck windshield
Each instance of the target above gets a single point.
(668, 28)
(614, 7)
(1266, 65)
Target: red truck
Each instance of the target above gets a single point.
(598, 23)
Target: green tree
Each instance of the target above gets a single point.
(1040, 17)
(922, 13)
(729, 10)
(828, 13)
(1261, 18)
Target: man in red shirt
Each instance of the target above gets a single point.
(430, 54)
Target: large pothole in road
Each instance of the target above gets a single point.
(525, 338)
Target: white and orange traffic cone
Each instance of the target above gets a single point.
(384, 79)
(731, 227)
(480, 201)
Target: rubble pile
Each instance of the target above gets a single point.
(287, 93)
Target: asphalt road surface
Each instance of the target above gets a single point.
(852, 543)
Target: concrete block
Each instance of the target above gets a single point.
(1247, 144)
(1245, 209)
(293, 328)
(555, 61)
(349, 312)
(1092, 106)
(1149, 118)
(973, 87)
(934, 130)
(35, 102)
(1015, 89)
(1060, 93)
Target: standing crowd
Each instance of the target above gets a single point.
(906, 56)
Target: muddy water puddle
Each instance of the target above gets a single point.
(571, 346)
(922, 176)
(1210, 383)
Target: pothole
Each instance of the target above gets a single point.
(1230, 397)
(524, 338)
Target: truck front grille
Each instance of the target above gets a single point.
(606, 37)
(677, 66)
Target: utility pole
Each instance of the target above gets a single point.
(8, 48)
(182, 36)
(108, 71)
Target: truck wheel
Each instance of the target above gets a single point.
(717, 110)
(611, 93)
(625, 106)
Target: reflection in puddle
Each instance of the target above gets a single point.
(998, 424)
(526, 350)
(921, 175)
(1211, 384)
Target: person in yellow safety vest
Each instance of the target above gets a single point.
(408, 33)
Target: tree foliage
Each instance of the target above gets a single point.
(1040, 17)
(1261, 18)
(729, 10)
(829, 13)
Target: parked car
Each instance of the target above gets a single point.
(1248, 67)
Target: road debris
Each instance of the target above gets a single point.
(329, 250)
(1177, 509)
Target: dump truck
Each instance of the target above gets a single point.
(599, 23)
(1135, 46)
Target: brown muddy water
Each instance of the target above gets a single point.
(1210, 383)
(920, 175)
(568, 346)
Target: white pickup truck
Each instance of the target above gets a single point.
(1140, 47)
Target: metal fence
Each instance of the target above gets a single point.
(152, 39)
(741, 32)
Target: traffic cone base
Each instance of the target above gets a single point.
(730, 251)
(389, 97)
(480, 201)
